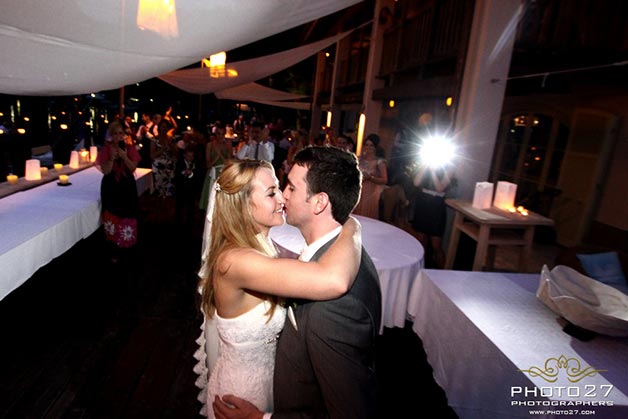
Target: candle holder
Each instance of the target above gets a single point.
(74, 160)
(93, 153)
(44, 171)
(64, 180)
(84, 156)
(12, 179)
(33, 171)
(58, 166)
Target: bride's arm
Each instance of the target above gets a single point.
(330, 277)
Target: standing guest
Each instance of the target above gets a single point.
(300, 141)
(430, 213)
(186, 188)
(117, 160)
(144, 141)
(258, 147)
(344, 142)
(164, 152)
(239, 126)
(217, 151)
(374, 177)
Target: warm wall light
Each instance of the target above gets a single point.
(63, 126)
(391, 103)
(21, 131)
(449, 101)
(218, 59)
(329, 115)
(158, 16)
(216, 64)
(361, 124)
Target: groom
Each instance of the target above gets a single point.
(324, 365)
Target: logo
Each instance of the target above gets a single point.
(553, 367)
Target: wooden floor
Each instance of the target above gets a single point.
(87, 339)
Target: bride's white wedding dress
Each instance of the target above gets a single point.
(247, 357)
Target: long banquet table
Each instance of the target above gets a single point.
(485, 332)
(39, 224)
(397, 256)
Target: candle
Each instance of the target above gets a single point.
(512, 209)
(84, 156)
(12, 179)
(93, 153)
(33, 171)
(524, 213)
(58, 166)
(63, 179)
(44, 171)
(74, 160)
(520, 208)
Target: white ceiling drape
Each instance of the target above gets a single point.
(199, 80)
(253, 91)
(63, 47)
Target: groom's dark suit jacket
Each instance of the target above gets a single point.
(326, 367)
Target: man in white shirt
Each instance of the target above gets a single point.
(258, 147)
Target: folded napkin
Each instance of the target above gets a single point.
(583, 301)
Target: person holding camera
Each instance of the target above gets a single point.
(117, 160)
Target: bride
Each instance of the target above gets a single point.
(243, 281)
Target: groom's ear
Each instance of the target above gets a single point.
(321, 202)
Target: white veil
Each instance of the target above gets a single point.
(209, 347)
(209, 341)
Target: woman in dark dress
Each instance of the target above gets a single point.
(430, 216)
(117, 160)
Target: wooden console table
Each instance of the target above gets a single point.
(489, 228)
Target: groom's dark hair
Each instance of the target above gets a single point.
(336, 172)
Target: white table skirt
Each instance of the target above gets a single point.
(398, 258)
(39, 224)
(479, 329)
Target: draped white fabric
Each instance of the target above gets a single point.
(253, 91)
(63, 47)
(199, 80)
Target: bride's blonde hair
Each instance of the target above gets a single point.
(233, 225)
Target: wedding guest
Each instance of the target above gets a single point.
(374, 177)
(117, 160)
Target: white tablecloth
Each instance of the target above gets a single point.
(39, 224)
(479, 329)
(398, 258)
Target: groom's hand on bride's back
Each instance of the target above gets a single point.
(232, 407)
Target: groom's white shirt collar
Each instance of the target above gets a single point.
(309, 251)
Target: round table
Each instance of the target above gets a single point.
(397, 255)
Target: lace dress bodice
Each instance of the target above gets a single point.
(247, 356)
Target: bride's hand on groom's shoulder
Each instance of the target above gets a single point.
(232, 407)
